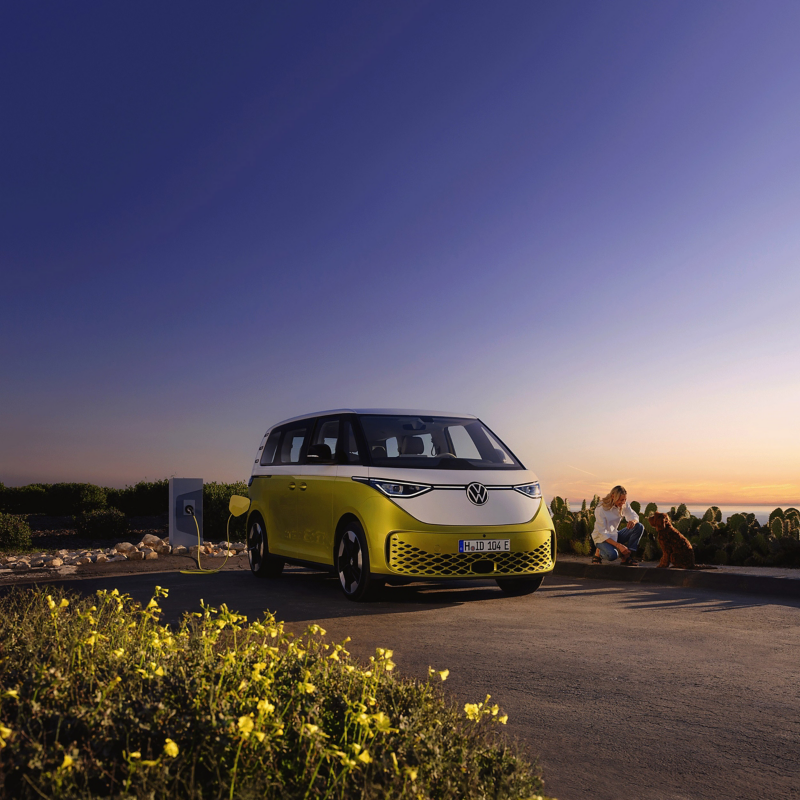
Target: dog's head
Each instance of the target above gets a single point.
(658, 521)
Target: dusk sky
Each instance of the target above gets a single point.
(578, 221)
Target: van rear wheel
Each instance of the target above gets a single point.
(351, 558)
(517, 587)
(262, 564)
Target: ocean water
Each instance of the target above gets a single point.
(762, 512)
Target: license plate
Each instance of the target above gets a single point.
(484, 545)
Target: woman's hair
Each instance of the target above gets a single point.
(611, 498)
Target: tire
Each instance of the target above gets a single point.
(262, 564)
(351, 561)
(517, 587)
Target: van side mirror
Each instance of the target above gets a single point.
(320, 452)
(238, 505)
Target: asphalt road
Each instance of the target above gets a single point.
(623, 691)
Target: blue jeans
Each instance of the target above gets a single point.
(627, 536)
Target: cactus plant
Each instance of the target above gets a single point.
(776, 514)
(636, 506)
(776, 526)
(651, 508)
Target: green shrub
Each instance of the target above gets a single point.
(216, 497)
(104, 523)
(144, 499)
(102, 700)
(15, 533)
(31, 499)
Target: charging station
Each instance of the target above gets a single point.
(185, 497)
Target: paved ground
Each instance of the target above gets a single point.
(624, 690)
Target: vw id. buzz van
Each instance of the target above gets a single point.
(395, 496)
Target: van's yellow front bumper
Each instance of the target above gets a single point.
(414, 554)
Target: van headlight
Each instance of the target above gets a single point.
(530, 489)
(400, 488)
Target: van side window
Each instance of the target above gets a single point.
(292, 444)
(327, 433)
(268, 456)
(350, 444)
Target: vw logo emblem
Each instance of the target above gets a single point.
(476, 492)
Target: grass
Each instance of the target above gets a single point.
(99, 699)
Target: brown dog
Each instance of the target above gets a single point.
(674, 545)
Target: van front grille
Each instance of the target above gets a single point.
(407, 559)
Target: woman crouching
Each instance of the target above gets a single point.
(610, 542)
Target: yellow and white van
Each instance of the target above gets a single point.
(381, 495)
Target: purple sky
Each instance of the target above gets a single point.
(579, 221)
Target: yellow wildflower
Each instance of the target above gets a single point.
(5, 732)
(12, 693)
(67, 762)
(135, 754)
(265, 707)
(260, 735)
(472, 711)
(50, 603)
(444, 673)
(412, 773)
(91, 640)
(170, 748)
(503, 720)
(364, 757)
(382, 722)
(306, 687)
(64, 603)
(246, 725)
(119, 652)
(160, 672)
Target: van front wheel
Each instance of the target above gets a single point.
(517, 587)
(351, 557)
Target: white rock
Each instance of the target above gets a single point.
(135, 555)
(124, 547)
(162, 549)
(150, 540)
(83, 561)
(21, 566)
(38, 561)
(180, 550)
(101, 559)
(151, 555)
(54, 562)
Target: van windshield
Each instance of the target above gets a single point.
(434, 443)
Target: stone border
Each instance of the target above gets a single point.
(688, 579)
(148, 549)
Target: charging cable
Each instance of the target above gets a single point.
(200, 569)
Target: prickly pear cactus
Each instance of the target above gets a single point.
(760, 544)
(717, 514)
(776, 526)
(776, 514)
(735, 522)
(684, 525)
(652, 508)
(636, 506)
(705, 531)
(595, 502)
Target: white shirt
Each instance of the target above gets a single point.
(606, 522)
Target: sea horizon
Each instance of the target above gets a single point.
(761, 510)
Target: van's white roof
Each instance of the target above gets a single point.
(396, 412)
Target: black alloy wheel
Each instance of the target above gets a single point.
(517, 587)
(262, 564)
(351, 558)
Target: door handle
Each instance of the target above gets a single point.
(303, 487)
(292, 485)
